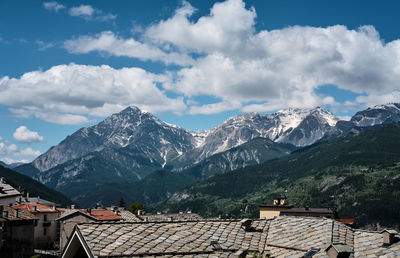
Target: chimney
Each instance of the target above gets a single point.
(158, 212)
(54, 207)
(16, 213)
(34, 207)
(189, 211)
(389, 236)
(2, 180)
(73, 206)
(180, 212)
(246, 224)
(89, 211)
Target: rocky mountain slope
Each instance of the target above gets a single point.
(129, 127)
(161, 184)
(358, 174)
(129, 145)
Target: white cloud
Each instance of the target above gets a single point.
(11, 161)
(23, 135)
(109, 43)
(87, 12)
(28, 152)
(279, 68)
(8, 152)
(53, 6)
(68, 94)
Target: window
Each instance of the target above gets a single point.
(44, 231)
(45, 217)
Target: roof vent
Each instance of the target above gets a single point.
(389, 236)
(338, 250)
(246, 224)
(215, 245)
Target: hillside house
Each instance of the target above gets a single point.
(282, 236)
(71, 217)
(8, 194)
(46, 232)
(16, 232)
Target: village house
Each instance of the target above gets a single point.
(282, 236)
(73, 216)
(46, 232)
(16, 232)
(8, 194)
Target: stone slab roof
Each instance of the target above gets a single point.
(170, 217)
(369, 244)
(129, 216)
(7, 190)
(283, 236)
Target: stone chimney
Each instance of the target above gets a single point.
(73, 206)
(389, 236)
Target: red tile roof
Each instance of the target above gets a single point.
(103, 215)
(29, 207)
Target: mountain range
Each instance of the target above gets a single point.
(129, 146)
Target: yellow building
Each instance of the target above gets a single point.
(271, 211)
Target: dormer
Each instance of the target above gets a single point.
(389, 236)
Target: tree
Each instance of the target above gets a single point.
(121, 202)
(134, 207)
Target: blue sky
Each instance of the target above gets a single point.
(68, 64)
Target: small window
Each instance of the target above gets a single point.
(45, 217)
(44, 231)
(311, 253)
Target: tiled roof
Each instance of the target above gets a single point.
(40, 208)
(129, 216)
(369, 244)
(95, 214)
(171, 217)
(104, 215)
(281, 237)
(7, 190)
(10, 214)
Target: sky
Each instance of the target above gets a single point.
(69, 64)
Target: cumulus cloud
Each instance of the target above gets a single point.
(108, 42)
(53, 6)
(278, 68)
(69, 94)
(8, 152)
(224, 56)
(23, 135)
(87, 12)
